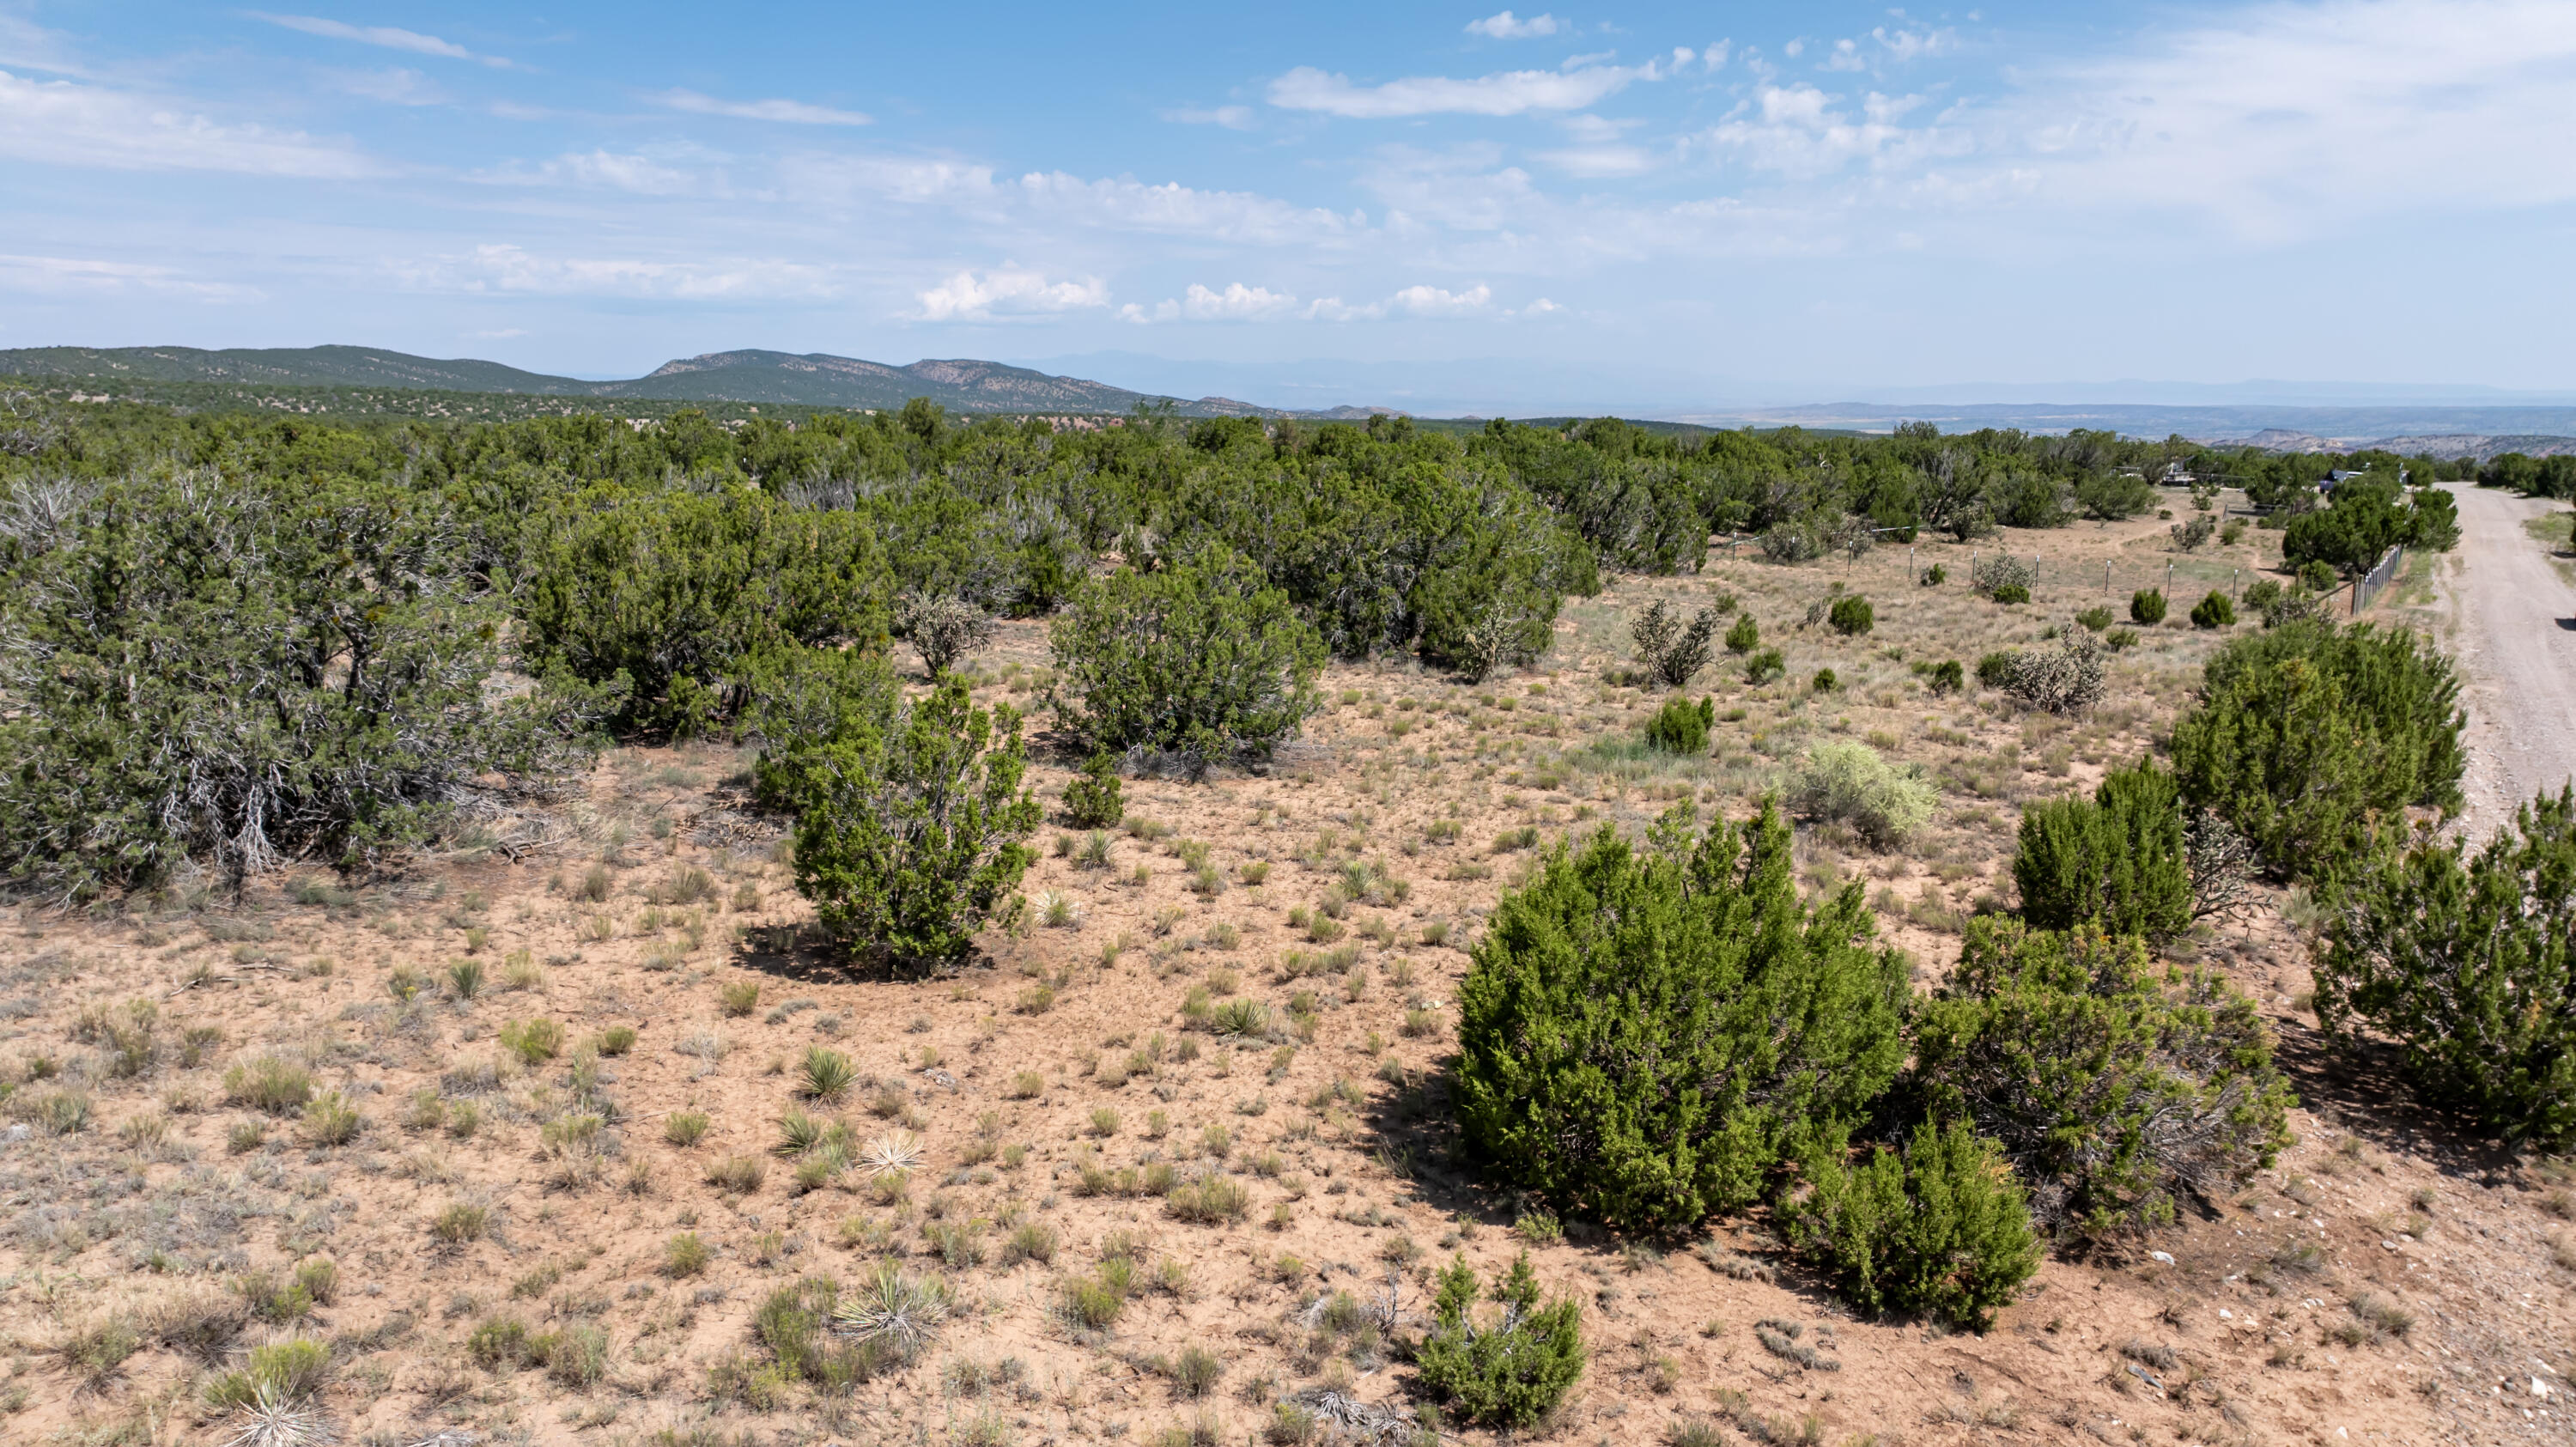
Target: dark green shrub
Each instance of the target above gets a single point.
(2112, 1086)
(2109, 496)
(674, 591)
(1640, 1033)
(1851, 614)
(2095, 618)
(1681, 727)
(2116, 860)
(2307, 733)
(2278, 605)
(245, 673)
(1765, 666)
(1824, 681)
(1505, 1372)
(2010, 593)
(908, 834)
(1948, 677)
(1093, 798)
(1200, 662)
(2216, 610)
(1671, 651)
(2147, 607)
(1941, 1230)
(1995, 668)
(1935, 575)
(2468, 962)
(1745, 636)
(2318, 576)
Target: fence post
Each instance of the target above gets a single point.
(2106, 577)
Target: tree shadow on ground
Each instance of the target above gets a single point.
(2356, 1089)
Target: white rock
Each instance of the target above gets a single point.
(2160, 1256)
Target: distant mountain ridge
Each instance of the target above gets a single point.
(782, 378)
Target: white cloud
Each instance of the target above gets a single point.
(1233, 118)
(85, 276)
(1799, 130)
(63, 123)
(790, 112)
(1714, 56)
(1009, 291)
(1508, 26)
(1507, 93)
(1845, 56)
(1540, 308)
(510, 269)
(2289, 119)
(1794, 49)
(1905, 45)
(502, 334)
(383, 35)
(1237, 303)
(639, 175)
(1413, 301)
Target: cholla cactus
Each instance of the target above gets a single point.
(942, 629)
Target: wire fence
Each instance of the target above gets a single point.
(2367, 588)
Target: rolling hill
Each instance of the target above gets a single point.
(811, 380)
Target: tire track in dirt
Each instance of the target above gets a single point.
(2513, 633)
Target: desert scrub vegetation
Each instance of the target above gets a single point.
(127, 594)
(2462, 959)
(1707, 948)
(1845, 781)
(2119, 860)
(666, 594)
(908, 829)
(1507, 1371)
(2307, 733)
(1199, 662)
(1938, 1230)
(2115, 1088)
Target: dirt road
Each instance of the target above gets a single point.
(2513, 619)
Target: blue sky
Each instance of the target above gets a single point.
(1797, 201)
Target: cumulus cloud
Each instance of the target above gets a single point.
(1412, 301)
(790, 112)
(1508, 26)
(64, 123)
(1799, 130)
(1233, 118)
(1506, 93)
(1009, 291)
(1237, 303)
(382, 35)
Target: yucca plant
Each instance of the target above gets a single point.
(828, 1074)
(892, 1153)
(466, 976)
(903, 1313)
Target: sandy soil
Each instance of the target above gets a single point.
(2513, 617)
(130, 1225)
